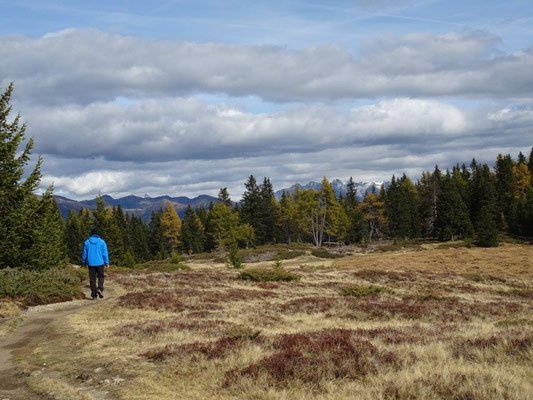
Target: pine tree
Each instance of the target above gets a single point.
(250, 205)
(505, 183)
(530, 164)
(453, 219)
(267, 210)
(192, 232)
(485, 221)
(355, 218)
(74, 238)
(157, 243)
(139, 237)
(24, 219)
(223, 197)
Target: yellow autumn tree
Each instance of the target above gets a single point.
(171, 227)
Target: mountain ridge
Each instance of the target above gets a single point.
(143, 206)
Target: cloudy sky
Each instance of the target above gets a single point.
(184, 97)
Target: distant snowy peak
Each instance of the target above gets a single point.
(338, 186)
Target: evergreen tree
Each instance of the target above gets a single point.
(505, 183)
(355, 218)
(530, 164)
(223, 197)
(453, 219)
(22, 214)
(139, 239)
(267, 213)
(250, 206)
(192, 232)
(485, 220)
(428, 189)
(74, 238)
(43, 246)
(157, 243)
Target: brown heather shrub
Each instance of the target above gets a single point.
(316, 356)
(375, 275)
(511, 344)
(157, 300)
(211, 350)
(308, 305)
(152, 327)
(451, 386)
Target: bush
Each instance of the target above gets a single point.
(127, 260)
(359, 291)
(175, 258)
(42, 287)
(234, 258)
(156, 266)
(324, 253)
(268, 275)
(289, 254)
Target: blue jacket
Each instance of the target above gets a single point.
(95, 252)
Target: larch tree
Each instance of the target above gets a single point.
(171, 227)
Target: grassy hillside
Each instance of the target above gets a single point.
(453, 323)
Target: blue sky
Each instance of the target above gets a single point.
(184, 97)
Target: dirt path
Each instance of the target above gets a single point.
(36, 319)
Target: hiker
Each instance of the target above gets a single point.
(95, 257)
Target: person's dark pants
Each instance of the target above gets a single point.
(93, 273)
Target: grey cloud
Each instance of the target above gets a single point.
(187, 129)
(87, 66)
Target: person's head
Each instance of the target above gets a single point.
(95, 231)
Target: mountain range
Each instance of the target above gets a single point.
(140, 206)
(339, 187)
(143, 206)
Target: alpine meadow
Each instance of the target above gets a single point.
(158, 239)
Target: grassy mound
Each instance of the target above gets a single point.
(41, 287)
(359, 291)
(268, 275)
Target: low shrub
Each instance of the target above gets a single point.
(41, 287)
(268, 275)
(162, 266)
(324, 253)
(234, 258)
(290, 254)
(316, 357)
(358, 291)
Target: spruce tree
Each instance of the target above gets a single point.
(355, 218)
(24, 218)
(250, 206)
(267, 210)
(485, 221)
(74, 237)
(223, 197)
(453, 219)
(505, 183)
(192, 232)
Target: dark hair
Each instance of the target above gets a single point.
(95, 231)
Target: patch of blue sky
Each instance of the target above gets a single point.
(295, 23)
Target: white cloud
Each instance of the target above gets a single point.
(165, 130)
(86, 66)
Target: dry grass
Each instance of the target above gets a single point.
(454, 323)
